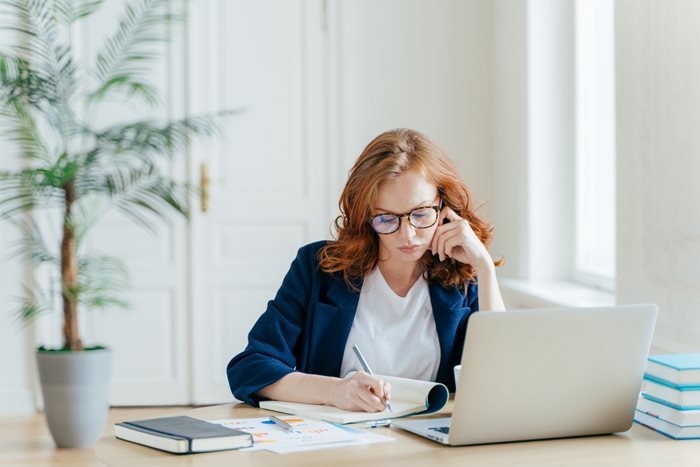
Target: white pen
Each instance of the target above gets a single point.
(281, 423)
(366, 367)
(378, 423)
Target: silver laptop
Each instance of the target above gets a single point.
(553, 373)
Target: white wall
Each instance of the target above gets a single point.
(17, 367)
(509, 135)
(16, 341)
(531, 185)
(416, 64)
(551, 146)
(658, 165)
(16, 338)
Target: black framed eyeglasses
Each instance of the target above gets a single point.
(420, 218)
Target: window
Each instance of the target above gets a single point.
(594, 261)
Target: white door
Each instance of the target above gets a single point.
(268, 191)
(149, 340)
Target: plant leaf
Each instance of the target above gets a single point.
(70, 11)
(31, 247)
(33, 304)
(125, 59)
(102, 282)
(51, 81)
(151, 136)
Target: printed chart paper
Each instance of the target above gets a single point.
(307, 434)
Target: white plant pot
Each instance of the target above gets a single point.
(75, 386)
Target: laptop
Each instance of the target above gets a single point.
(550, 373)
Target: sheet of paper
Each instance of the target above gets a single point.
(364, 437)
(308, 434)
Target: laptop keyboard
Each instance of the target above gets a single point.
(440, 429)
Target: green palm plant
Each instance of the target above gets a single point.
(70, 168)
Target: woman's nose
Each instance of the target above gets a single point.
(406, 230)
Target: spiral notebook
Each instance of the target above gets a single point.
(408, 397)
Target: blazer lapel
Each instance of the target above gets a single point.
(331, 327)
(447, 304)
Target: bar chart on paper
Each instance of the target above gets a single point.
(305, 434)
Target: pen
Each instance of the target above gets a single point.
(378, 423)
(281, 423)
(366, 367)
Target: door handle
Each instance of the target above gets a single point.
(204, 186)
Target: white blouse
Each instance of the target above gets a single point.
(396, 335)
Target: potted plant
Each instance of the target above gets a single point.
(71, 171)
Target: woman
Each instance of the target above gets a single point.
(399, 282)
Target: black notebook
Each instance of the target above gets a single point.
(182, 435)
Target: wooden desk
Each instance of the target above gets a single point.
(638, 447)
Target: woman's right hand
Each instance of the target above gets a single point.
(360, 392)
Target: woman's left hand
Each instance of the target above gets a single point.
(457, 240)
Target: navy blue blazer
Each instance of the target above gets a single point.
(306, 326)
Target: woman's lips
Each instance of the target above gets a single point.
(409, 249)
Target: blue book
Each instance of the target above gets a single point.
(667, 428)
(668, 404)
(665, 412)
(675, 369)
(678, 397)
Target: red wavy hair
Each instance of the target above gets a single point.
(355, 252)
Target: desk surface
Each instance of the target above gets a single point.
(638, 447)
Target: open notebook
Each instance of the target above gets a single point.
(408, 397)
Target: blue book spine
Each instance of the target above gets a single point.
(663, 432)
(670, 404)
(668, 384)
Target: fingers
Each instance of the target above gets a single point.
(455, 241)
(360, 399)
(369, 392)
(439, 232)
(370, 402)
(442, 235)
(376, 388)
(448, 213)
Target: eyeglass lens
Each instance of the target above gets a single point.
(420, 218)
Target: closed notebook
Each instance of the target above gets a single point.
(408, 397)
(667, 428)
(677, 369)
(182, 435)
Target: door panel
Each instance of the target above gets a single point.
(267, 173)
(149, 340)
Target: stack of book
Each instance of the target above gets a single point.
(670, 403)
